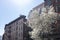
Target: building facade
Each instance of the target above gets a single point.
(55, 27)
(55, 3)
(17, 29)
(37, 8)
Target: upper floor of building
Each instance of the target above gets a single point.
(13, 25)
(55, 3)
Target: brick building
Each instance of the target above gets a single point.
(37, 8)
(55, 27)
(55, 3)
(17, 29)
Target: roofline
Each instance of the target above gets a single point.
(22, 16)
(38, 5)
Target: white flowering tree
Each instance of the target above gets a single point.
(41, 23)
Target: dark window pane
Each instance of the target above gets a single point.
(9, 27)
(9, 36)
(9, 31)
(58, 8)
(16, 38)
(48, 2)
(58, 0)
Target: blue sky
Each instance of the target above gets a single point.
(11, 9)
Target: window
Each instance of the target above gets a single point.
(48, 2)
(30, 24)
(17, 27)
(16, 22)
(16, 38)
(21, 27)
(40, 11)
(24, 20)
(19, 35)
(16, 34)
(9, 36)
(58, 27)
(58, 9)
(55, 9)
(58, 0)
(9, 27)
(9, 31)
